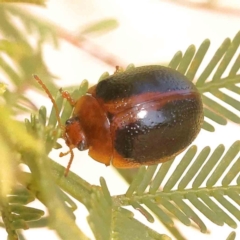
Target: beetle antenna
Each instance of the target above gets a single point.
(51, 98)
(68, 97)
(72, 102)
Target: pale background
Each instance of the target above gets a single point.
(149, 32)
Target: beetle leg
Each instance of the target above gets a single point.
(70, 161)
(118, 70)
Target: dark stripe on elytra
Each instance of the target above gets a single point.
(142, 80)
(151, 139)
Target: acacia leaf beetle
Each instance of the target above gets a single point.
(143, 116)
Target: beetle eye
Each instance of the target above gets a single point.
(82, 146)
(71, 121)
(68, 122)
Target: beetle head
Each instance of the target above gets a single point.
(72, 131)
(74, 138)
(74, 134)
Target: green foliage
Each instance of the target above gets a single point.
(100, 27)
(172, 200)
(189, 63)
(198, 183)
(19, 58)
(231, 236)
(39, 2)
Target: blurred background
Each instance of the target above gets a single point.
(142, 32)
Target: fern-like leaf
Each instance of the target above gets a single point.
(231, 236)
(210, 200)
(189, 64)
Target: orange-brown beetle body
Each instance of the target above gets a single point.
(142, 116)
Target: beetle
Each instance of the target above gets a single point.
(143, 116)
